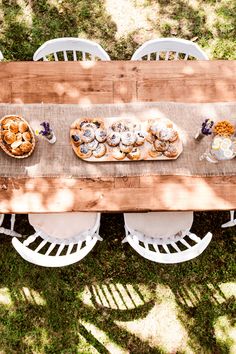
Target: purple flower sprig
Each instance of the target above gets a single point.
(207, 127)
(46, 129)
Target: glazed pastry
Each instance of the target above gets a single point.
(119, 126)
(86, 125)
(125, 148)
(113, 139)
(140, 138)
(9, 137)
(117, 154)
(156, 127)
(93, 124)
(154, 153)
(128, 138)
(16, 152)
(161, 145)
(167, 134)
(150, 138)
(13, 127)
(23, 126)
(6, 123)
(26, 146)
(26, 136)
(134, 154)
(101, 135)
(76, 137)
(92, 145)
(100, 150)
(171, 151)
(87, 135)
(83, 151)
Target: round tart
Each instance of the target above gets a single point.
(125, 148)
(161, 145)
(150, 138)
(90, 123)
(87, 135)
(167, 134)
(113, 139)
(140, 138)
(171, 151)
(128, 138)
(101, 135)
(154, 153)
(134, 154)
(119, 127)
(92, 145)
(76, 137)
(117, 154)
(100, 150)
(83, 151)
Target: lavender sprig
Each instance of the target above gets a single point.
(207, 127)
(47, 130)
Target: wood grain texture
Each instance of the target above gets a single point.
(118, 81)
(112, 82)
(117, 194)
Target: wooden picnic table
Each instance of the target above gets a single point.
(113, 82)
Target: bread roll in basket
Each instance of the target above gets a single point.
(16, 137)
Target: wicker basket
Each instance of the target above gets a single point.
(3, 144)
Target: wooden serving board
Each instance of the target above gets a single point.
(137, 125)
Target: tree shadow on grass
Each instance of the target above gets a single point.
(24, 29)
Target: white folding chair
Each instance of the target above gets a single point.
(89, 50)
(59, 239)
(172, 47)
(231, 222)
(11, 231)
(164, 237)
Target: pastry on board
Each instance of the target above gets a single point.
(124, 139)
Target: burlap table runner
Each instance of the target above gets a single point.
(59, 160)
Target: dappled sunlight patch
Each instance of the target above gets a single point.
(26, 13)
(102, 338)
(37, 340)
(55, 3)
(225, 332)
(129, 17)
(161, 327)
(228, 289)
(61, 197)
(116, 296)
(5, 297)
(32, 296)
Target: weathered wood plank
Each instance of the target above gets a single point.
(116, 195)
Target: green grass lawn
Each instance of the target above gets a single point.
(114, 301)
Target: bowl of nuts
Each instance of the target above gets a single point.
(224, 128)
